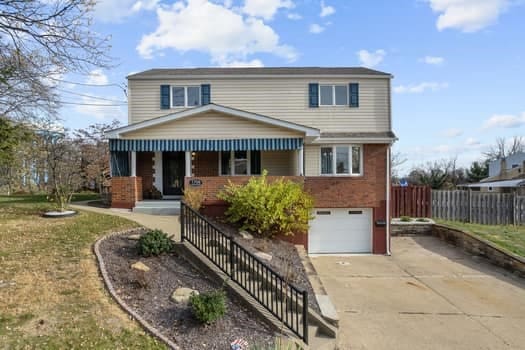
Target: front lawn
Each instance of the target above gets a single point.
(51, 294)
(511, 238)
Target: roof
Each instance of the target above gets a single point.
(258, 71)
(505, 183)
(356, 137)
(115, 133)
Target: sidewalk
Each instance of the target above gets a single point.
(169, 224)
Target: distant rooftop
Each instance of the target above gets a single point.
(308, 71)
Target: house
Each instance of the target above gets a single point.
(508, 168)
(329, 128)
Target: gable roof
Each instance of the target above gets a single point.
(504, 183)
(308, 131)
(164, 73)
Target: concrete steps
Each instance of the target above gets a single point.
(321, 334)
(158, 207)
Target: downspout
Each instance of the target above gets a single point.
(388, 252)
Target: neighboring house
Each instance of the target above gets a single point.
(329, 128)
(511, 167)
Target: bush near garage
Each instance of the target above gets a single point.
(268, 209)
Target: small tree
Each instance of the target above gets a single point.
(64, 167)
(478, 171)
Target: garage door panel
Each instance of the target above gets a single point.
(344, 230)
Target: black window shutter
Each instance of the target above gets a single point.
(354, 95)
(255, 162)
(313, 95)
(164, 97)
(205, 94)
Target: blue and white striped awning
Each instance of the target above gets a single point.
(268, 144)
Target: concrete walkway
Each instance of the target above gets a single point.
(427, 295)
(169, 224)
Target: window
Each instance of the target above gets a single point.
(185, 96)
(333, 95)
(341, 160)
(240, 163)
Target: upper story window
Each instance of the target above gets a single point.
(333, 95)
(185, 96)
(342, 160)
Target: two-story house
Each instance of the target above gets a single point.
(330, 128)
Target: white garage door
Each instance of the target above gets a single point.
(338, 230)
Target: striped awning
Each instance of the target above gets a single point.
(268, 144)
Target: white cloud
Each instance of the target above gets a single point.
(326, 10)
(371, 59)
(504, 121)
(208, 27)
(452, 132)
(116, 10)
(97, 77)
(435, 60)
(467, 15)
(294, 16)
(265, 8)
(472, 142)
(252, 63)
(420, 88)
(316, 28)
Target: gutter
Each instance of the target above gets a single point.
(388, 251)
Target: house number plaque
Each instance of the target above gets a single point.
(195, 182)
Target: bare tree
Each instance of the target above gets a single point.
(504, 148)
(396, 160)
(40, 40)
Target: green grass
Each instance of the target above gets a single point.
(511, 238)
(42, 198)
(58, 300)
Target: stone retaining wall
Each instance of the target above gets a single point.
(478, 246)
(410, 229)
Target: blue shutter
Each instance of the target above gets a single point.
(164, 97)
(313, 95)
(354, 95)
(205, 94)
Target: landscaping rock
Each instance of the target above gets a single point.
(134, 237)
(263, 256)
(246, 234)
(140, 266)
(182, 295)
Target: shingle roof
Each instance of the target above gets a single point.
(309, 71)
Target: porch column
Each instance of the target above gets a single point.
(300, 165)
(188, 163)
(133, 163)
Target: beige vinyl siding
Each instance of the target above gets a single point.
(279, 163)
(282, 98)
(312, 154)
(211, 125)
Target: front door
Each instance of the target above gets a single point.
(173, 169)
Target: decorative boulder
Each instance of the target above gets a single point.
(140, 266)
(246, 235)
(134, 237)
(182, 295)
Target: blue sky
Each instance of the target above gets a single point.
(459, 65)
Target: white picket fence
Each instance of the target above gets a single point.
(479, 207)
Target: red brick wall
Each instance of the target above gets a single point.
(145, 170)
(125, 191)
(206, 164)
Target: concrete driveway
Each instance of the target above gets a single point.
(427, 295)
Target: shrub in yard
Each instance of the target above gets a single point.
(280, 207)
(208, 307)
(405, 219)
(421, 220)
(194, 198)
(154, 242)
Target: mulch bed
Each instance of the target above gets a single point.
(285, 258)
(153, 303)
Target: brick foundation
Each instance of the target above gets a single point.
(125, 191)
(367, 191)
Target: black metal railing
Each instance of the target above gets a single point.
(284, 300)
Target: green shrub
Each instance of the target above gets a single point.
(208, 307)
(405, 219)
(280, 207)
(154, 242)
(421, 220)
